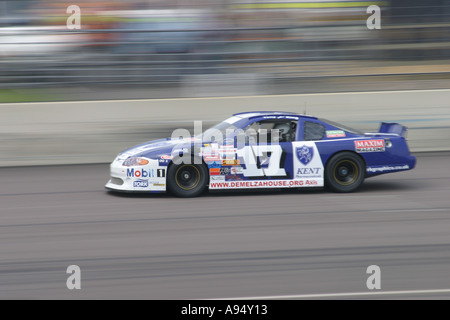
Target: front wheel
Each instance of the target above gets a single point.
(345, 172)
(187, 180)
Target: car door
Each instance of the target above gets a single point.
(266, 153)
(307, 163)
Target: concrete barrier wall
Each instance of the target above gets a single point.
(95, 131)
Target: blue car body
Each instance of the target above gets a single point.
(299, 157)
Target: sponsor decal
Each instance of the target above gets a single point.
(217, 178)
(228, 142)
(370, 145)
(161, 173)
(307, 161)
(219, 171)
(211, 153)
(215, 164)
(166, 157)
(159, 185)
(211, 157)
(281, 117)
(309, 172)
(141, 173)
(230, 162)
(387, 168)
(304, 154)
(227, 153)
(226, 149)
(335, 134)
(247, 184)
(210, 148)
(214, 171)
(140, 184)
(233, 177)
(227, 156)
(163, 162)
(237, 170)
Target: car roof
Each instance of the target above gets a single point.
(252, 114)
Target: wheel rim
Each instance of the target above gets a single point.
(345, 172)
(187, 177)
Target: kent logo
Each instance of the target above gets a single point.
(308, 171)
(131, 173)
(305, 154)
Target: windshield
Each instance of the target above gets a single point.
(220, 131)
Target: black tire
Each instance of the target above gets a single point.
(345, 172)
(187, 180)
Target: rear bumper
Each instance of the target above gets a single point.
(408, 164)
(412, 161)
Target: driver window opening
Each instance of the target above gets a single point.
(271, 131)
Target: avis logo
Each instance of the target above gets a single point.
(305, 154)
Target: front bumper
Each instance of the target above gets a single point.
(149, 178)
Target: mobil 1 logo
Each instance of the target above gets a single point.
(161, 173)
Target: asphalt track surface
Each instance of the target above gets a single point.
(276, 244)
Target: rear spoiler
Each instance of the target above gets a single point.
(393, 128)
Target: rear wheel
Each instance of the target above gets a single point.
(345, 172)
(187, 180)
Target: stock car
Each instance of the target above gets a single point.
(255, 150)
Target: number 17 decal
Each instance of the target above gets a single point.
(250, 155)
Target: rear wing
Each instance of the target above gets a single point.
(393, 128)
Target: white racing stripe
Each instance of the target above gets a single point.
(344, 294)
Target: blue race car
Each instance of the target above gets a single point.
(260, 150)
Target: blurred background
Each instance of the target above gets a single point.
(197, 48)
(185, 60)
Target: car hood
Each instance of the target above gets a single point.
(154, 149)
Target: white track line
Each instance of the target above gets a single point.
(335, 295)
(232, 97)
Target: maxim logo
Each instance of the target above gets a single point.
(370, 145)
